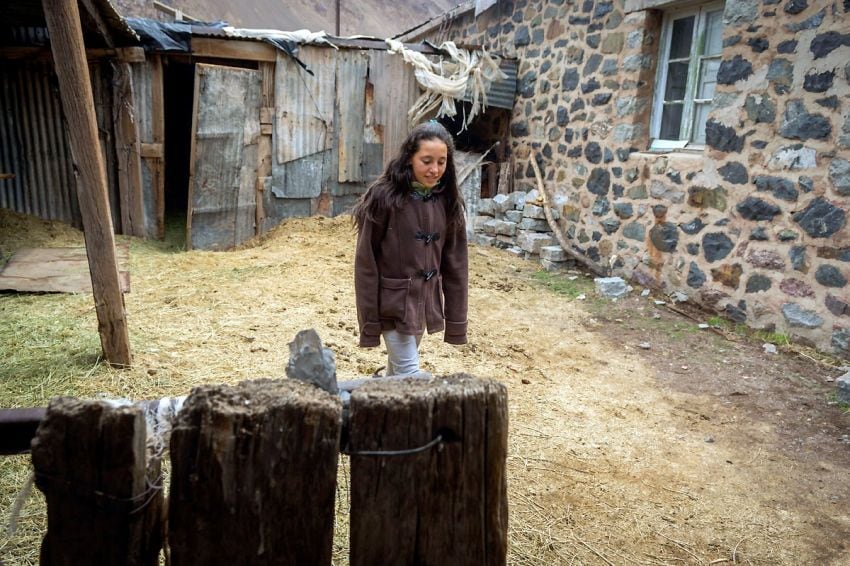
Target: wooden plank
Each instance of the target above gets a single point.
(233, 49)
(128, 153)
(253, 477)
(265, 146)
(104, 504)
(44, 54)
(157, 166)
(57, 270)
(226, 136)
(130, 54)
(266, 114)
(434, 506)
(151, 150)
(352, 68)
(66, 40)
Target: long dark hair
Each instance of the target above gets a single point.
(393, 186)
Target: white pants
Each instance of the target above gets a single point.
(403, 353)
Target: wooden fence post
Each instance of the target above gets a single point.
(253, 476)
(104, 506)
(444, 505)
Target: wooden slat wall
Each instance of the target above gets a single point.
(102, 91)
(147, 92)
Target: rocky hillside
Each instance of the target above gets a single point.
(379, 18)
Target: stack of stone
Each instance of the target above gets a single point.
(517, 223)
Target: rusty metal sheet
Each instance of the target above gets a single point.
(395, 91)
(304, 103)
(226, 128)
(279, 209)
(351, 70)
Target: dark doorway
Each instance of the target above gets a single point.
(179, 91)
(486, 134)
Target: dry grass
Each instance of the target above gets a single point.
(603, 467)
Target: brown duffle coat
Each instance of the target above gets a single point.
(410, 274)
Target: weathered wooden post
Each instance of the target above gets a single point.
(104, 503)
(66, 42)
(253, 475)
(446, 504)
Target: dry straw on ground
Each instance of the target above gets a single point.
(605, 466)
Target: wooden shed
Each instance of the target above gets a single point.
(232, 134)
(36, 169)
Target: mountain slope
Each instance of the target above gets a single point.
(379, 18)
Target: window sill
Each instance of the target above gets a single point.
(687, 153)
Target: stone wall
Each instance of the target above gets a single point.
(516, 222)
(754, 225)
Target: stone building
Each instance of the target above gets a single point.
(694, 147)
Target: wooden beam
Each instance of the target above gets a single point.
(158, 127)
(44, 54)
(129, 153)
(233, 49)
(130, 54)
(66, 42)
(151, 150)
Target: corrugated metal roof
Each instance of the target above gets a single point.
(30, 13)
(502, 92)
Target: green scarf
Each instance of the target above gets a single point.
(420, 189)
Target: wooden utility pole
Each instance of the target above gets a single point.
(66, 43)
(337, 18)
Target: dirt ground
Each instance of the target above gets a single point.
(700, 449)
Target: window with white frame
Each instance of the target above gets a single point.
(691, 42)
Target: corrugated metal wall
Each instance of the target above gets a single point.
(502, 92)
(34, 145)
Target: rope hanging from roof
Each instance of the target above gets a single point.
(446, 81)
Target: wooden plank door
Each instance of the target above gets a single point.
(223, 160)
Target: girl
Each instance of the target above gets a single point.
(410, 266)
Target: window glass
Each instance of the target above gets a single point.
(677, 81)
(681, 37)
(671, 121)
(713, 33)
(687, 75)
(700, 117)
(708, 78)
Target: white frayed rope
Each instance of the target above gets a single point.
(446, 81)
